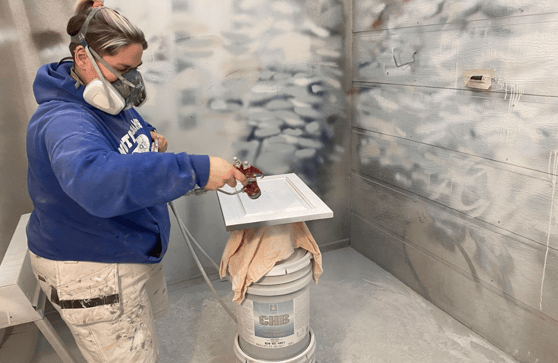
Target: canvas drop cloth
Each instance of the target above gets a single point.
(251, 253)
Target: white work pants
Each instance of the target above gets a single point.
(108, 307)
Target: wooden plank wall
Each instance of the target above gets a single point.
(454, 188)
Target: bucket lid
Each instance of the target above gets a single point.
(281, 289)
(299, 259)
(283, 279)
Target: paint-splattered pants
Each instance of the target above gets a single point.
(109, 308)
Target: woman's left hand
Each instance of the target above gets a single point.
(161, 140)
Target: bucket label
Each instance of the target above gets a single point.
(274, 325)
(274, 320)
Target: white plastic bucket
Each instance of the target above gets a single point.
(274, 318)
(306, 356)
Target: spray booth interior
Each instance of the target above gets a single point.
(427, 127)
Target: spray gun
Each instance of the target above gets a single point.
(251, 172)
(251, 189)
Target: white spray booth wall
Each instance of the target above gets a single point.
(261, 80)
(453, 187)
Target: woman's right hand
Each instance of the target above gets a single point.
(222, 172)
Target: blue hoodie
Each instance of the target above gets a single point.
(97, 195)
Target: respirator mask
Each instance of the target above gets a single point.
(126, 92)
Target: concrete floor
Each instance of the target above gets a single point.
(359, 313)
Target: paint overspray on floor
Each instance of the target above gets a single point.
(359, 313)
(197, 328)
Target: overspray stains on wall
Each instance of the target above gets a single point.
(263, 78)
(455, 174)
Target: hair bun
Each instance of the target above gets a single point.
(84, 5)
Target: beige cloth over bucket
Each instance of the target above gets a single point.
(251, 253)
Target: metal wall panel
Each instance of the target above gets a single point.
(453, 186)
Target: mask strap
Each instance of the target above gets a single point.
(72, 71)
(103, 62)
(68, 58)
(103, 79)
(80, 36)
(79, 80)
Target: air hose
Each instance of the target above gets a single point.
(189, 241)
(253, 192)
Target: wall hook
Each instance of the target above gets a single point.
(404, 64)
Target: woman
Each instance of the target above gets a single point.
(100, 224)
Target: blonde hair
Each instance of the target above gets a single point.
(107, 31)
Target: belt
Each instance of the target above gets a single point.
(82, 303)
